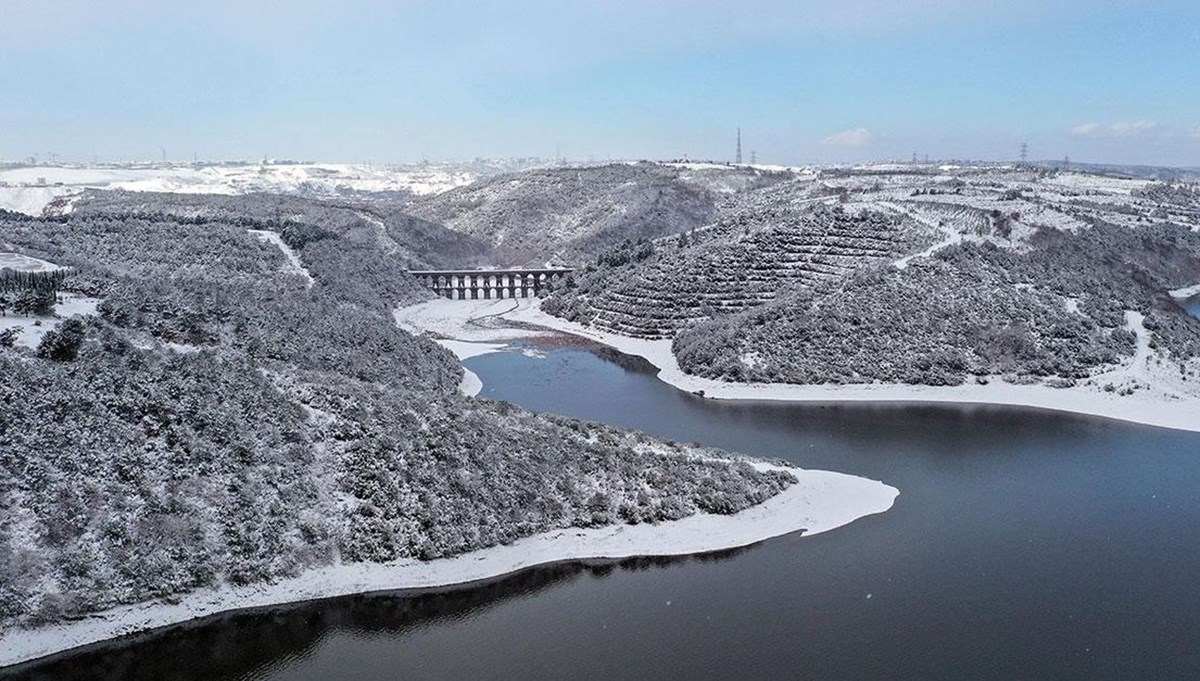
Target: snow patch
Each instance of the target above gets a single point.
(470, 385)
(26, 263)
(464, 320)
(1185, 292)
(295, 265)
(467, 350)
(30, 329)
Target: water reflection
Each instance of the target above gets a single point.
(267, 643)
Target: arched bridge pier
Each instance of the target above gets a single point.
(490, 284)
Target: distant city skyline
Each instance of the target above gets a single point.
(807, 82)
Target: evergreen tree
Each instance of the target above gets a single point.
(62, 344)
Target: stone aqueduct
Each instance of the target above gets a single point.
(487, 284)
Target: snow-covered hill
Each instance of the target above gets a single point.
(237, 412)
(31, 189)
(572, 214)
(910, 274)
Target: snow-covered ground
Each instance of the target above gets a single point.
(819, 502)
(472, 321)
(1095, 183)
(295, 265)
(1186, 292)
(26, 263)
(29, 190)
(30, 329)
(1156, 395)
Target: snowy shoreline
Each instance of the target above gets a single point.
(1185, 292)
(820, 501)
(1160, 406)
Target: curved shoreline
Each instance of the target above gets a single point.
(1162, 408)
(819, 501)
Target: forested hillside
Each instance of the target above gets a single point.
(569, 215)
(922, 276)
(375, 228)
(654, 289)
(1056, 310)
(232, 416)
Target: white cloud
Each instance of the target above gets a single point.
(857, 137)
(1134, 128)
(1120, 129)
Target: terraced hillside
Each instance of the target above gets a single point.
(1068, 307)
(924, 275)
(569, 215)
(749, 257)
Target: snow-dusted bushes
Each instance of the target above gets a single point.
(130, 474)
(972, 309)
(574, 214)
(462, 475)
(748, 257)
(221, 422)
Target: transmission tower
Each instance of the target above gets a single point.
(1066, 162)
(739, 147)
(753, 157)
(1024, 152)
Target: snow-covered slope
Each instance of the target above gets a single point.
(24, 263)
(910, 274)
(572, 214)
(30, 189)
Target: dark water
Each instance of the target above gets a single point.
(1024, 544)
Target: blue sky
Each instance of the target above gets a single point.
(807, 80)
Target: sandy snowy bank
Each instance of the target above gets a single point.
(819, 502)
(1186, 292)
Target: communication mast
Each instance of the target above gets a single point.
(1024, 152)
(739, 147)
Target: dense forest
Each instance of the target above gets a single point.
(909, 277)
(221, 420)
(973, 309)
(570, 215)
(653, 289)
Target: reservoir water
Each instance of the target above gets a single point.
(1024, 544)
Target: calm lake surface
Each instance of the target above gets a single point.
(1024, 544)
